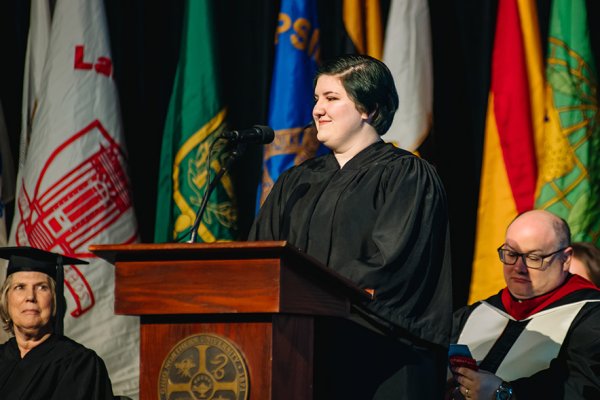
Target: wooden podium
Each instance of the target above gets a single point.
(212, 312)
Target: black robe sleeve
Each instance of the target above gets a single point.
(267, 224)
(408, 258)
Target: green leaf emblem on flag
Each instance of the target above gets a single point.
(569, 170)
(194, 120)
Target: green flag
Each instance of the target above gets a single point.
(569, 169)
(195, 117)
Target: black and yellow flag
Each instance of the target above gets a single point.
(362, 20)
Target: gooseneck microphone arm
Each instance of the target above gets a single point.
(239, 149)
(258, 134)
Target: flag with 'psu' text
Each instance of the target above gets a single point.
(291, 100)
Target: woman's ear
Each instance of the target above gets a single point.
(368, 117)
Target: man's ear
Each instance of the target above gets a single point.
(568, 254)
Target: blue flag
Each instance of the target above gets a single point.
(291, 101)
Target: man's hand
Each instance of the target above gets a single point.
(476, 385)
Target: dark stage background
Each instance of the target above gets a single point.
(145, 45)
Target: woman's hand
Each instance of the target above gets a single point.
(477, 385)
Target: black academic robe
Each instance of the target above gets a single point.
(57, 369)
(574, 373)
(380, 221)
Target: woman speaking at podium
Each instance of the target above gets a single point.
(377, 215)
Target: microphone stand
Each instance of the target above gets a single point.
(239, 149)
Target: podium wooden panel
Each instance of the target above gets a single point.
(262, 296)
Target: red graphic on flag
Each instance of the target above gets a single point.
(71, 211)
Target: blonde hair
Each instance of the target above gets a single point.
(7, 323)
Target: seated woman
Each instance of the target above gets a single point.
(39, 363)
(377, 215)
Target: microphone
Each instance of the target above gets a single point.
(258, 134)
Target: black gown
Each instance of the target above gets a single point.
(380, 221)
(56, 369)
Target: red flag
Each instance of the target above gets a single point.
(514, 119)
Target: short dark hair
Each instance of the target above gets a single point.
(369, 83)
(589, 255)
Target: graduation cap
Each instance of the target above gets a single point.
(23, 258)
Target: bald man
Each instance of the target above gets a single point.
(539, 337)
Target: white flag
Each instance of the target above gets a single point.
(35, 58)
(6, 177)
(407, 52)
(74, 189)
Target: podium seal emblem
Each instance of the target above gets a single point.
(204, 367)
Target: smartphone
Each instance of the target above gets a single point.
(459, 355)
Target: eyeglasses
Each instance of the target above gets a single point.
(533, 261)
